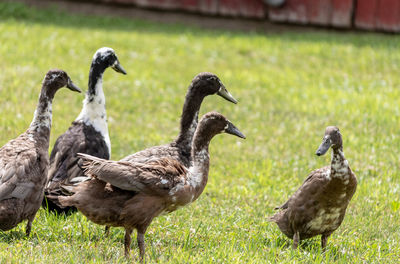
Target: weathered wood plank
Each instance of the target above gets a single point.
(342, 11)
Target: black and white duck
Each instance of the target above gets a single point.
(202, 85)
(142, 191)
(87, 134)
(24, 160)
(319, 205)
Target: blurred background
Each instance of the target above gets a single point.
(374, 15)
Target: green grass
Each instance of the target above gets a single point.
(290, 87)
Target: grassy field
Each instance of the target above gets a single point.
(290, 86)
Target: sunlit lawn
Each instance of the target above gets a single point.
(290, 86)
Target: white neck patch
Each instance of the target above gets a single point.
(94, 112)
(195, 173)
(43, 117)
(195, 176)
(340, 165)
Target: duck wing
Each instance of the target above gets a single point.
(159, 152)
(315, 180)
(18, 168)
(155, 176)
(64, 167)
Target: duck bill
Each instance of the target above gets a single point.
(118, 68)
(223, 92)
(325, 145)
(73, 87)
(231, 129)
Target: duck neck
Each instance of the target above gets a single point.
(41, 123)
(339, 164)
(200, 162)
(94, 105)
(189, 120)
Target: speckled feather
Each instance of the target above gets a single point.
(153, 177)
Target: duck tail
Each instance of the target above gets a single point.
(67, 189)
(66, 201)
(88, 162)
(273, 218)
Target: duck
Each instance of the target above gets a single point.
(202, 85)
(318, 207)
(143, 191)
(24, 160)
(87, 134)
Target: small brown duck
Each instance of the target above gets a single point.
(24, 161)
(142, 191)
(319, 205)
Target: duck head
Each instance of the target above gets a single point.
(56, 79)
(332, 138)
(106, 57)
(208, 83)
(214, 123)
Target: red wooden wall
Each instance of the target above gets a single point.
(378, 14)
(335, 13)
(363, 14)
(243, 8)
(367, 14)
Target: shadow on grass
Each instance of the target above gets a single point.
(53, 15)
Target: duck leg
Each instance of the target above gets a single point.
(128, 240)
(296, 239)
(324, 240)
(29, 225)
(140, 241)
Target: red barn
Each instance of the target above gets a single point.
(382, 15)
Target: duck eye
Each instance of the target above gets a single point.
(212, 79)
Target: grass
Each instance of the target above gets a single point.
(290, 87)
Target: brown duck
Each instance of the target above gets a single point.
(87, 134)
(319, 205)
(142, 191)
(24, 161)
